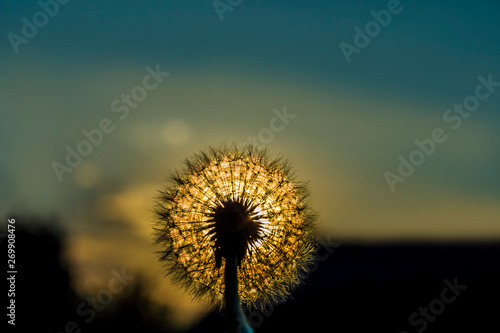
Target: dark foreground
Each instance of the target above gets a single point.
(391, 288)
(354, 288)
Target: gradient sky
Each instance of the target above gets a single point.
(226, 77)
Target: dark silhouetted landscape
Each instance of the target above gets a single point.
(354, 288)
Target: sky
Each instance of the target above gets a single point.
(345, 107)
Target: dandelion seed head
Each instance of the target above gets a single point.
(235, 200)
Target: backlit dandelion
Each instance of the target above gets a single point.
(235, 215)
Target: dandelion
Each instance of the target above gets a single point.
(235, 225)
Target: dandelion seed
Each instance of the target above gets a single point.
(236, 215)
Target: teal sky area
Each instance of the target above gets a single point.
(352, 120)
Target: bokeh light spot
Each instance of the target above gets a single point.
(177, 132)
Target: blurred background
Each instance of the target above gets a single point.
(273, 71)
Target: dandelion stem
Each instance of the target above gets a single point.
(235, 318)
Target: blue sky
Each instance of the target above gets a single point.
(427, 58)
